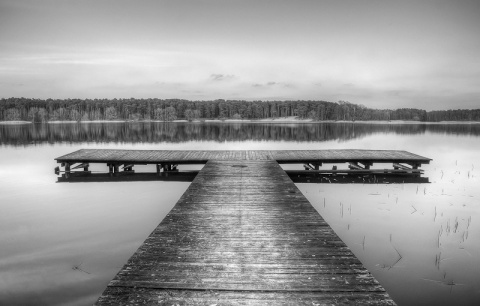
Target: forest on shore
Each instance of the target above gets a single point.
(39, 110)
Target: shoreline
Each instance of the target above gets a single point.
(292, 120)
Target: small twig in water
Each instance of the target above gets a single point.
(399, 257)
(449, 283)
(77, 268)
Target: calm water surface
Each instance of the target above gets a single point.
(62, 243)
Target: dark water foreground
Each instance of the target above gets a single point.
(62, 243)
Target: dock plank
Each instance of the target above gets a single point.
(281, 156)
(243, 234)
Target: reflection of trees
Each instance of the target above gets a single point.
(136, 132)
(37, 110)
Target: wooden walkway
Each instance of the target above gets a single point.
(242, 234)
(281, 156)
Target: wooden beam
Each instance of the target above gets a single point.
(400, 166)
(361, 172)
(308, 167)
(415, 165)
(366, 164)
(83, 165)
(355, 165)
(169, 167)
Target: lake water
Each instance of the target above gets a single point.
(62, 243)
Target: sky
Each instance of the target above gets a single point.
(379, 53)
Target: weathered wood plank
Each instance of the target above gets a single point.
(288, 156)
(170, 297)
(243, 234)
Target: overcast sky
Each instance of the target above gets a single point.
(383, 54)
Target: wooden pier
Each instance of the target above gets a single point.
(168, 160)
(243, 234)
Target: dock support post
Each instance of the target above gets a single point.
(312, 166)
(110, 168)
(367, 164)
(355, 166)
(67, 167)
(159, 167)
(128, 168)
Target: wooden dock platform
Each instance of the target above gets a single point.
(281, 156)
(168, 160)
(242, 233)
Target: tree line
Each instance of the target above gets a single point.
(40, 110)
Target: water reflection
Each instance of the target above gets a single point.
(295, 175)
(46, 229)
(140, 132)
(417, 240)
(182, 176)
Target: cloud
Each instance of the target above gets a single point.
(272, 84)
(216, 77)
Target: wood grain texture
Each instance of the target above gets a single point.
(281, 156)
(243, 234)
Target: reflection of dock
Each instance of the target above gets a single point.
(242, 233)
(297, 176)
